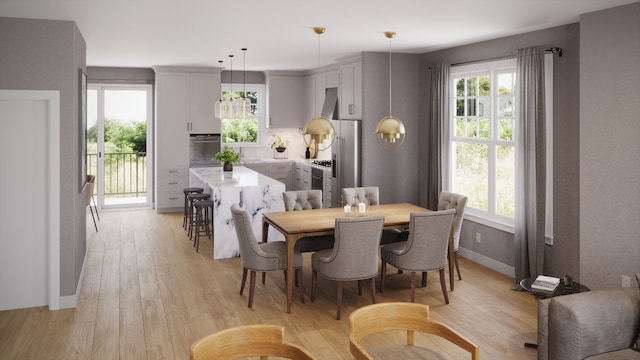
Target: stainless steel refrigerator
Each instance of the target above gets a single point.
(346, 158)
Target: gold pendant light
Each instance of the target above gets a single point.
(390, 132)
(320, 130)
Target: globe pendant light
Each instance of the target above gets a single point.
(390, 132)
(319, 132)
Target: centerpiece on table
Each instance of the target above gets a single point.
(227, 157)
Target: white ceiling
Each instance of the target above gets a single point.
(278, 33)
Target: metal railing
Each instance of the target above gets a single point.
(125, 174)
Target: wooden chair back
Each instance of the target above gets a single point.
(246, 341)
(411, 317)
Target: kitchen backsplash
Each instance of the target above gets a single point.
(291, 137)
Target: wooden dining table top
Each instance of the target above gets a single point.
(322, 221)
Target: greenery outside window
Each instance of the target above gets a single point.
(245, 132)
(483, 145)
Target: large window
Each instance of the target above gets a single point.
(245, 132)
(483, 146)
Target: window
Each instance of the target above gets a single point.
(484, 141)
(245, 132)
(483, 147)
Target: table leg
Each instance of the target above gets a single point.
(290, 246)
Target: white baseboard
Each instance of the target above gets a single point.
(71, 301)
(487, 262)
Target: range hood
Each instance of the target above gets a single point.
(330, 106)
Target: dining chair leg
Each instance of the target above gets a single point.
(93, 217)
(383, 273)
(424, 278)
(339, 299)
(455, 260)
(374, 299)
(264, 276)
(413, 286)
(359, 287)
(244, 280)
(443, 284)
(300, 285)
(252, 287)
(95, 206)
(314, 280)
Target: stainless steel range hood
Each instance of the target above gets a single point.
(330, 106)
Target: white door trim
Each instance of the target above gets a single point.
(52, 98)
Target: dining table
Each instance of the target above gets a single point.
(295, 225)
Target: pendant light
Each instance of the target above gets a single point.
(242, 106)
(220, 105)
(320, 130)
(390, 132)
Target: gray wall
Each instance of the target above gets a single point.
(563, 257)
(46, 55)
(610, 145)
(395, 172)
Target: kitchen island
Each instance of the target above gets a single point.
(252, 191)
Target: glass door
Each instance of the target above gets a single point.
(118, 117)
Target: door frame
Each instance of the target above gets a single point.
(101, 87)
(52, 175)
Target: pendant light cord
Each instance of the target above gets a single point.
(244, 76)
(389, 76)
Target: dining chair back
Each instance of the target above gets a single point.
(425, 249)
(307, 200)
(353, 257)
(247, 341)
(448, 200)
(380, 319)
(264, 256)
(354, 196)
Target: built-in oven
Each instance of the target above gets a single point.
(202, 148)
(317, 178)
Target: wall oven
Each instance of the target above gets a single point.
(202, 147)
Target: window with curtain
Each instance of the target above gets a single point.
(483, 145)
(245, 132)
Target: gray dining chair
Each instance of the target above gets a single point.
(448, 200)
(425, 250)
(305, 200)
(264, 256)
(370, 195)
(353, 257)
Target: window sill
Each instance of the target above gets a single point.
(491, 223)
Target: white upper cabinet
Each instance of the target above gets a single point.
(351, 90)
(172, 112)
(286, 101)
(204, 91)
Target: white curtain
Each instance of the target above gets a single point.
(531, 164)
(438, 131)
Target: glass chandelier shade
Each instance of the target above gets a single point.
(390, 131)
(233, 107)
(319, 132)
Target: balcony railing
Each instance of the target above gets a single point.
(125, 174)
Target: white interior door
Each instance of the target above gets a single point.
(25, 244)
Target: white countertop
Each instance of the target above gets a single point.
(302, 161)
(239, 177)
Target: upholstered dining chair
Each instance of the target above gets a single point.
(446, 201)
(425, 250)
(370, 195)
(354, 255)
(264, 256)
(382, 319)
(247, 341)
(305, 200)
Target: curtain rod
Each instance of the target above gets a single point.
(551, 50)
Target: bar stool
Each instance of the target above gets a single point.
(193, 199)
(202, 220)
(187, 192)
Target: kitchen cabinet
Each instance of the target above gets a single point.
(302, 176)
(185, 99)
(326, 189)
(258, 167)
(351, 90)
(315, 87)
(281, 171)
(286, 101)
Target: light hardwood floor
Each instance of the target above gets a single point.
(147, 294)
